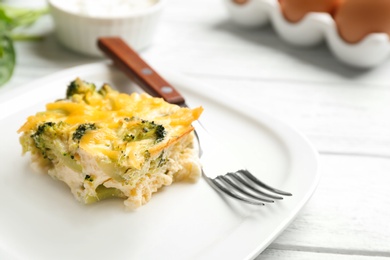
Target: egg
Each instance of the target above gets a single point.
(240, 2)
(295, 10)
(355, 19)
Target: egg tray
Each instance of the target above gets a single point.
(313, 29)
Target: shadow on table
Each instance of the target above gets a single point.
(51, 49)
(319, 55)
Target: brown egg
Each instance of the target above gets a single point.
(240, 2)
(295, 10)
(355, 19)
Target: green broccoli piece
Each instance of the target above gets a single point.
(106, 88)
(159, 132)
(145, 130)
(128, 138)
(48, 139)
(79, 87)
(42, 134)
(151, 130)
(81, 130)
(88, 178)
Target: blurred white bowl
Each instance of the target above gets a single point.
(79, 30)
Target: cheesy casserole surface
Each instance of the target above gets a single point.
(105, 144)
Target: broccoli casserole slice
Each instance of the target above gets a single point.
(104, 144)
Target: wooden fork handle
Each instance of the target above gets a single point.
(128, 60)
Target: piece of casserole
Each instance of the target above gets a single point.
(104, 144)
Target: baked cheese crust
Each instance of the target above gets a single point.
(104, 144)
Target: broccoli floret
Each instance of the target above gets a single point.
(41, 129)
(81, 130)
(49, 141)
(161, 160)
(146, 130)
(106, 88)
(88, 178)
(79, 87)
(128, 138)
(160, 133)
(39, 139)
(151, 130)
(44, 132)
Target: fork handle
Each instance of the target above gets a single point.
(128, 60)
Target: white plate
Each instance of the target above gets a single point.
(41, 220)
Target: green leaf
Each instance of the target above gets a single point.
(7, 58)
(16, 17)
(11, 18)
(4, 18)
(23, 37)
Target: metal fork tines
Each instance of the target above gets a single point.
(242, 185)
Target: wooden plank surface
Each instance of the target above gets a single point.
(349, 211)
(270, 254)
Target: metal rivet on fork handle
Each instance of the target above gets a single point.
(146, 71)
(166, 89)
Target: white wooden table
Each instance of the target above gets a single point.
(343, 111)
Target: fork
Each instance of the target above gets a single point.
(241, 184)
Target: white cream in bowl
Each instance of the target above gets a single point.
(79, 23)
(104, 8)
